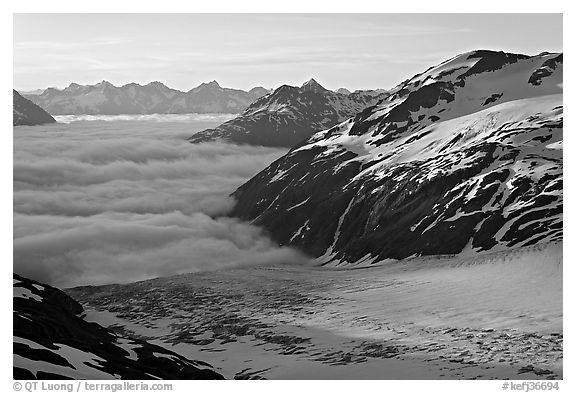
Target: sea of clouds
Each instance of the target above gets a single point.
(100, 202)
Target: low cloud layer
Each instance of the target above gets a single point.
(107, 203)
(158, 117)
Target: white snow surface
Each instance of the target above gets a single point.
(491, 314)
(25, 293)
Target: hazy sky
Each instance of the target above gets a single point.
(245, 50)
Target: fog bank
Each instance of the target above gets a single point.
(101, 202)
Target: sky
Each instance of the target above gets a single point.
(356, 51)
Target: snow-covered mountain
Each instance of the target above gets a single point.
(465, 157)
(53, 340)
(290, 115)
(32, 92)
(106, 99)
(26, 113)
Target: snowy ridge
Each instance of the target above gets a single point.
(290, 115)
(463, 158)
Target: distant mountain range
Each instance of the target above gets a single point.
(464, 157)
(290, 115)
(106, 99)
(26, 113)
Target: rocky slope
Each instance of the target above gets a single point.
(289, 115)
(107, 99)
(464, 157)
(52, 340)
(26, 113)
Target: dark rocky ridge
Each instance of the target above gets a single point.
(49, 328)
(546, 70)
(26, 113)
(290, 115)
(383, 185)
